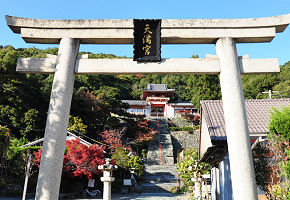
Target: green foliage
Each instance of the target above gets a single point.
(15, 160)
(4, 143)
(260, 163)
(121, 157)
(279, 136)
(279, 125)
(173, 128)
(126, 161)
(174, 190)
(30, 121)
(285, 166)
(186, 128)
(137, 163)
(76, 124)
(203, 87)
(281, 192)
(254, 85)
(189, 166)
(197, 127)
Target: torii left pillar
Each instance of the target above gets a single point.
(50, 170)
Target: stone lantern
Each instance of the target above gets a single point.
(107, 178)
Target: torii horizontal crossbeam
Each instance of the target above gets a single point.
(174, 31)
(166, 66)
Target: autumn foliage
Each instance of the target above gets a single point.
(115, 140)
(79, 159)
(189, 116)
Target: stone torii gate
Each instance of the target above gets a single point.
(224, 33)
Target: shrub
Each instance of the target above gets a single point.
(4, 143)
(174, 189)
(175, 129)
(280, 124)
(279, 138)
(187, 128)
(126, 161)
(190, 166)
(80, 160)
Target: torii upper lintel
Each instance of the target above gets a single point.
(174, 31)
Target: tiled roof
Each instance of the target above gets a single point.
(157, 87)
(181, 103)
(135, 102)
(258, 112)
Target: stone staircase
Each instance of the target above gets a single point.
(153, 155)
(160, 178)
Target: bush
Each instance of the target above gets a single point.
(4, 143)
(187, 128)
(174, 190)
(189, 166)
(126, 161)
(175, 129)
(80, 160)
(279, 137)
(280, 124)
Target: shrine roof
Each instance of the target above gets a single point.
(157, 88)
(258, 112)
(135, 102)
(181, 103)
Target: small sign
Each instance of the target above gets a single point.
(91, 183)
(127, 182)
(147, 40)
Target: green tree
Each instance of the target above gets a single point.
(75, 124)
(279, 136)
(189, 167)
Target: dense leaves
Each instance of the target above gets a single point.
(79, 159)
(189, 167)
(126, 160)
(279, 137)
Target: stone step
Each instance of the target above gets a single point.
(153, 155)
(156, 187)
(161, 174)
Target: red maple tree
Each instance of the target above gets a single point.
(114, 140)
(79, 159)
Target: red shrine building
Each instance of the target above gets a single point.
(156, 101)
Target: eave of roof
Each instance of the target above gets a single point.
(135, 102)
(258, 111)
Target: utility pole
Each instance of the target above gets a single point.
(270, 92)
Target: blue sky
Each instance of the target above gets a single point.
(158, 9)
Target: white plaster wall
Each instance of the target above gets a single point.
(205, 141)
(169, 111)
(147, 110)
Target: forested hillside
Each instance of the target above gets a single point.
(24, 98)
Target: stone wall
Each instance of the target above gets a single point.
(184, 139)
(179, 122)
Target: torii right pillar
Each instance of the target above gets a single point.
(240, 154)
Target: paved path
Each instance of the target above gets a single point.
(136, 196)
(145, 196)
